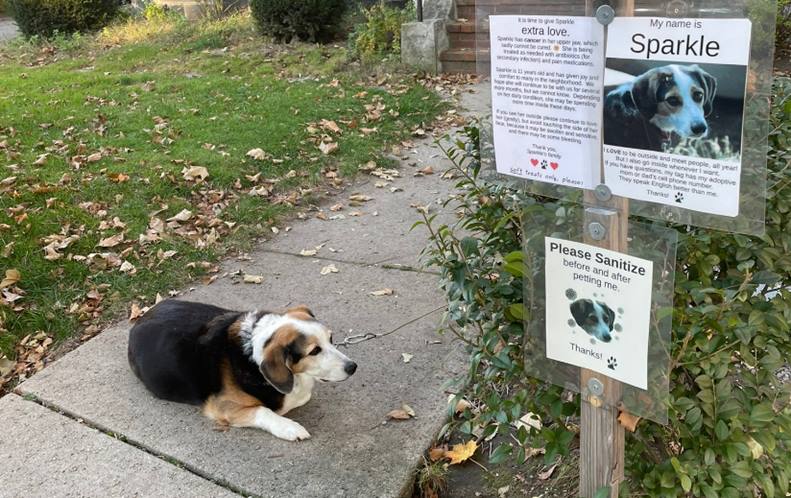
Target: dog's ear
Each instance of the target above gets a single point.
(579, 310)
(301, 308)
(644, 91)
(610, 314)
(709, 85)
(276, 365)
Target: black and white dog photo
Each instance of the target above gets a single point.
(664, 105)
(594, 317)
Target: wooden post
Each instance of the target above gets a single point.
(601, 436)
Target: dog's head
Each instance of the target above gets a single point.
(595, 318)
(293, 343)
(676, 99)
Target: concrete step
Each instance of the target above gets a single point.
(465, 60)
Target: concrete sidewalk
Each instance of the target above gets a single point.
(8, 29)
(84, 426)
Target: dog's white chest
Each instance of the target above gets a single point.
(303, 389)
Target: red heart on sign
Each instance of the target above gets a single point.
(554, 165)
(534, 162)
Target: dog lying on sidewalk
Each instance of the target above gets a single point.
(245, 369)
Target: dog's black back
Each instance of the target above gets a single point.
(175, 349)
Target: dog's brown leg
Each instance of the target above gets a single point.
(227, 412)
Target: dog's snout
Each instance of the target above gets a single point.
(350, 367)
(699, 128)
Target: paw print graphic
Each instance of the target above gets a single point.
(679, 197)
(544, 164)
(612, 363)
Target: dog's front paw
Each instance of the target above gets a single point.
(290, 431)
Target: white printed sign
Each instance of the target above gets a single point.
(673, 126)
(546, 97)
(668, 105)
(598, 305)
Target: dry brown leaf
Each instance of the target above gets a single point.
(329, 269)
(118, 177)
(330, 125)
(257, 154)
(12, 276)
(183, 215)
(399, 414)
(336, 207)
(195, 173)
(252, 279)
(127, 267)
(360, 198)
(112, 241)
(382, 292)
(547, 473)
(428, 170)
(136, 312)
(627, 420)
(96, 156)
(461, 452)
(437, 453)
(328, 148)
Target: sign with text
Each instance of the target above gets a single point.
(673, 126)
(546, 97)
(667, 103)
(598, 305)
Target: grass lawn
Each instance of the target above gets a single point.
(103, 141)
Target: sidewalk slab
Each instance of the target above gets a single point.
(44, 454)
(385, 237)
(351, 452)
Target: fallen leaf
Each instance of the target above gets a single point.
(406, 357)
(252, 279)
(330, 125)
(328, 148)
(398, 415)
(112, 241)
(627, 420)
(127, 267)
(136, 312)
(547, 473)
(408, 409)
(336, 207)
(383, 292)
(308, 252)
(6, 366)
(257, 154)
(12, 276)
(529, 421)
(437, 453)
(428, 170)
(461, 452)
(501, 492)
(118, 177)
(183, 215)
(360, 198)
(96, 156)
(195, 173)
(329, 269)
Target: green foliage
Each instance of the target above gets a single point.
(729, 433)
(154, 12)
(48, 17)
(783, 37)
(307, 20)
(380, 34)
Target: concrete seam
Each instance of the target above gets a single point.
(378, 264)
(135, 444)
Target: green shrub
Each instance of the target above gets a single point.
(380, 34)
(729, 431)
(46, 17)
(783, 37)
(307, 20)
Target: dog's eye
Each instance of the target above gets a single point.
(674, 101)
(697, 97)
(315, 351)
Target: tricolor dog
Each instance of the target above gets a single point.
(594, 317)
(244, 369)
(659, 104)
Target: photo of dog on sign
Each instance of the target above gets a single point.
(691, 110)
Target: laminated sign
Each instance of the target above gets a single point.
(598, 305)
(667, 102)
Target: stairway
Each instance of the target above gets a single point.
(468, 34)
